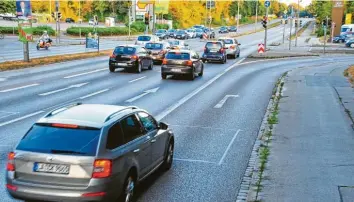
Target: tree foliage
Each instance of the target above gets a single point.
(7, 6)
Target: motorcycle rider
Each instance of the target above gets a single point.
(45, 37)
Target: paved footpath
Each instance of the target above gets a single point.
(312, 151)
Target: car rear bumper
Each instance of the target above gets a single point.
(122, 64)
(176, 70)
(230, 51)
(213, 57)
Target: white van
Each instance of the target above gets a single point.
(347, 28)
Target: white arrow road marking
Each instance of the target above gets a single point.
(222, 101)
(95, 93)
(63, 89)
(20, 118)
(137, 79)
(18, 88)
(154, 90)
(76, 75)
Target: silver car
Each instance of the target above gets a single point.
(88, 152)
(231, 46)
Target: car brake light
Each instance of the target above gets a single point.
(232, 47)
(11, 161)
(93, 194)
(134, 57)
(162, 52)
(102, 168)
(11, 187)
(61, 125)
(189, 63)
(164, 62)
(112, 56)
(222, 50)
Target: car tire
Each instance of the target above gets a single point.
(151, 66)
(352, 45)
(128, 188)
(111, 69)
(163, 76)
(139, 67)
(204, 61)
(201, 71)
(191, 77)
(167, 163)
(37, 47)
(238, 55)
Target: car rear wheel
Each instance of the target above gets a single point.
(111, 69)
(352, 45)
(201, 71)
(167, 164)
(224, 60)
(164, 76)
(138, 67)
(128, 188)
(151, 65)
(192, 75)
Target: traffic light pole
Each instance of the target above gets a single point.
(297, 21)
(265, 33)
(291, 25)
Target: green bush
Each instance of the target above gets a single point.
(320, 31)
(162, 26)
(101, 31)
(35, 30)
(139, 26)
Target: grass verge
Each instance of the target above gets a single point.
(258, 30)
(20, 64)
(350, 74)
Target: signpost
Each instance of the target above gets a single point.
(266, 4)
(261, 48)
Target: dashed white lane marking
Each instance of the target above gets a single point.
(63, 89)
(137, 79)
(85, 73)
(3, 79)
(196, 91)
(228, 147)
(6, 114)
(222, 101)
(194, 160)
(95, 93)
(20, 118)
(18, 88)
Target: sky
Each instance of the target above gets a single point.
(302, 3)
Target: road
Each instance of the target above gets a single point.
(12, 49)
(216, 117)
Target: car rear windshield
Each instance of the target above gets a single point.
(227, 41)
(144, 38)
(174, 43)
(153, 46)
(213, 45)
(123, 50)
(180, 32)
(177, 56)
(161, 31)
(199, 30)
(47, 139)
(171, 30)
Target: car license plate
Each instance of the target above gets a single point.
(176, 70)
(51, 168)
(121, 64)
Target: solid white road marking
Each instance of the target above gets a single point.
(18, 88)
(222, 102)
(20, 118)
(228, 147)
(194, 160)
(85, 73)
(196, 91)
(154, 90)
(137, 79)
(63, 89)
(95, 93)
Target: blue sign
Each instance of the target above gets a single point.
(267, 4)
(93, 41)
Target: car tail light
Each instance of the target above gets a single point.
(189, 63)
(11, 187)
(164, 62)
(232, 47)
(93, 194)
(135, 57)
(102, 168)
(222, 50)
(61, 125)
(112, 56)
(162, 52)
(11, 161)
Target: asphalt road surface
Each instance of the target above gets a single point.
(12, 49)
(213, 138)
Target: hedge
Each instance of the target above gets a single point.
(162, 26)
(320, 31)
(101, 31)
(36, 30)
(138, 26)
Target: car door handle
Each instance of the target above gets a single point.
(153, 141)
(136, 151)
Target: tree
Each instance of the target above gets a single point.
(8, 6)
(275, 7)
(101, 6)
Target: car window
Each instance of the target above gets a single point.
(124, 50)
(144, 38)
(154, 46)
(115, 137)
(213, 45)
(227, 41)
(48, 139)
(131, 128)
(180, 32)
(161, 31)
(148, 122)
(177, 56)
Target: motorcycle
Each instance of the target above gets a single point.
(43, 44)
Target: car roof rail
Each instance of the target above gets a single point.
(62, 108)
(117, 112)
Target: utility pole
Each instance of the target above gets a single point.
(255, 23)
(291, 26)
(325, 35)
(57, 21)
(284, 32)
(130, 19)
(206, 13)
(298, 21)
(238, 13)
(266, 30)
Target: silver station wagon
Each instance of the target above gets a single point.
(88, 152)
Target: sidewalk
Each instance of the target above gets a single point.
(312, 148)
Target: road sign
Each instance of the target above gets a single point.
(260, 48)
(141, 5)
(267, 4)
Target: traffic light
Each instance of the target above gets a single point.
(95, 19)
(147, 18)
(264, 22)
(53, 15)
(59, 15)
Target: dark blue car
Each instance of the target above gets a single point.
(350, 43)
(339, 39)
(214, 51)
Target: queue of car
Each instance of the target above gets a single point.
(347, 38)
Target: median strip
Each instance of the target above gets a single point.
(20, 64)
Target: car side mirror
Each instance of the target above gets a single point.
(239, 44)
(186, 45)
(163, 126)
